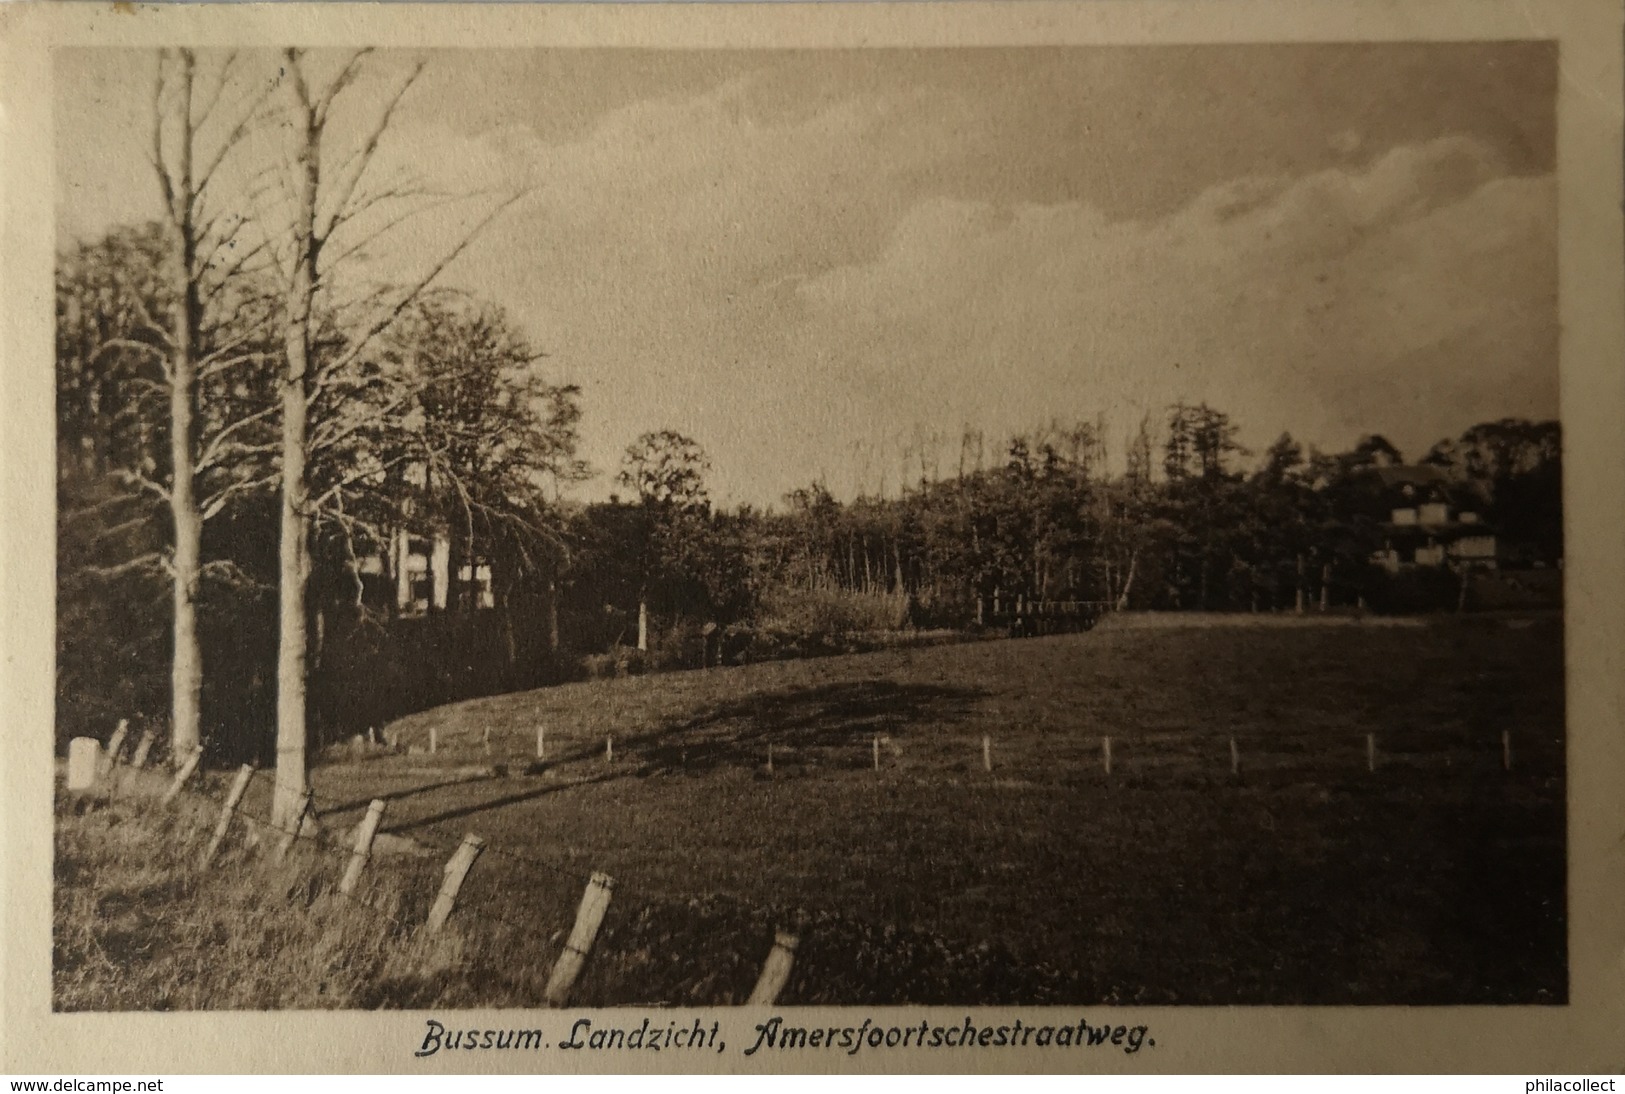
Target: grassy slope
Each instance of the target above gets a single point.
(1308, 879)
(1437, 880)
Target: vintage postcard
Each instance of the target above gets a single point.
(814, 537)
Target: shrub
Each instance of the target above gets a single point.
(831, 611)
(618, 661)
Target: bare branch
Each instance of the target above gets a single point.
(224, 356)
(217, 443)
(242, 486)
(355, 167)
(231, 140)
(379, 325)
(153, 560)
(137, 479)
(352, 68)
(224, 277)
(67, 517)
(224, 569)
(159, 166)
(395, 221)
(382, 467)
(226, 66)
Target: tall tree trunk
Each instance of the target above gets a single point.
(1299, 605)
(292, 762)
(510, 639)
(186, 668)
(553, 617)
(1128, 582)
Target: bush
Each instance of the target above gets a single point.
(831, 611)
(618, 661)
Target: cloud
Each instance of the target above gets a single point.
(1413, 298)
(800, 255)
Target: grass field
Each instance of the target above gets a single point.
(1439, 878)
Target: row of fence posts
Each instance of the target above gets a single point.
(105, 769)
(1235, 753)
(88, 764)
(987, 750)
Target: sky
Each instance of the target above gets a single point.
(808, 260)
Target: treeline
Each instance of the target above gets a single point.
(1188, 520)
(429, 418)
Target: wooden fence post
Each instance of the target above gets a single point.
(770, 757)
(143, 749)
(594, 903)
(115, 745)
(775, 970)
(1506, 750)
(541, 742)
(1106, 754)
(877, 751)
(363, 846)
(1371, 752)
(239, 786)
(1235, 758)
(295, 826)
(609, 749)
(461, 861)
(188, 766)
(987, 752)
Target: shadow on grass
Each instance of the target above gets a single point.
(828, 721)
(335, 808)
(828, 718)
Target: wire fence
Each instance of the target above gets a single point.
(531, 897)
(243, 834)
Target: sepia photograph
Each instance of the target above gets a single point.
(650, 530)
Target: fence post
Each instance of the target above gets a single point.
(363, 847)
(877, 751)
(541, 742)
(609, 749)
(115, 745)
(1106, 754)
(434, 740)
(1235, 758)
(1506, 750)
(594, 903)
(461, 861)
(188, 766)
(239, 786)
(770, 757)
(1371, 752)
(987, 752)
(295, 826)
(143, 749)
(775, 970)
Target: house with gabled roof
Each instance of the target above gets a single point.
(1426, 522)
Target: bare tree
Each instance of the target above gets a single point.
(321, 207)
(198, 122)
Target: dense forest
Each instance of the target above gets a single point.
(443, 425)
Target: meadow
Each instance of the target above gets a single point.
(1306, 877)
